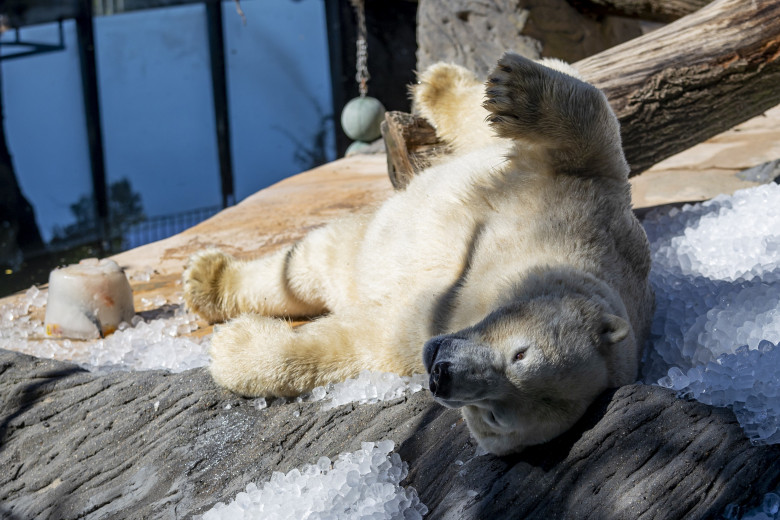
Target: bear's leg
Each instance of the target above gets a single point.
(450, 97)
(259, 356)
(305, 279)
(569, 120)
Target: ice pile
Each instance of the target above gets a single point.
(746, 381)
(17, 313)
(159, 343)
(359, 485)
(149, 345)
(716, 273)
(162, 343)
(368, 387)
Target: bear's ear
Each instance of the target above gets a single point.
(613, 329)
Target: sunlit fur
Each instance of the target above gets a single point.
(523, 239)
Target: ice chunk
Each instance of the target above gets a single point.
(88, 300)
(368, 387)
(771, 504)
(143, 274)
(362, 484)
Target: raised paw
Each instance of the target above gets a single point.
(205, 284)
(548, 108)
(537, 103)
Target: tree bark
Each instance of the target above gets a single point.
(663, 11)
(151, 444)
(692, 79)
(411, 143)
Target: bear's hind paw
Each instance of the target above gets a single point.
(203, 282)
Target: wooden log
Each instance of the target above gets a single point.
(692, 79)
(663, 11)
(75, 444)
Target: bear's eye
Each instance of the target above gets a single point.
(520, 355)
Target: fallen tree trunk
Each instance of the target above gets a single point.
(75, 444)
(691, 80)
(688, 81)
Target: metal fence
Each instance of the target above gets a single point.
(164, 226)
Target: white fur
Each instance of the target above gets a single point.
(514, 242)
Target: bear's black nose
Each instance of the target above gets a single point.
(439, 381)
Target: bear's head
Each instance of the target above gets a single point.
(529, 370)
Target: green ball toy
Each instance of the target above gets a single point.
(361, 118)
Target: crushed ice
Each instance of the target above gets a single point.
(159, 343)
(359, 485)
(164, 342)
(716, 273)
(368, 387)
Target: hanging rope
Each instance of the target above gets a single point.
(362, 116)
(362, 76)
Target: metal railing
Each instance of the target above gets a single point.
(156, 228)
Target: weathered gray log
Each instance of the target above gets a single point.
(692, 79)
(664, 11)
(75, 444)
(475, 34)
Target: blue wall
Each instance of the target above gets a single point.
(157, 115)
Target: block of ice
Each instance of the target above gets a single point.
(88, 300)
(362, 484)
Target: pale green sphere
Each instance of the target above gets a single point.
(361, 118)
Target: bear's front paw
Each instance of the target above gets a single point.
(530, 101)
(204, 284)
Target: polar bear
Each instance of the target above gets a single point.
(514, 273)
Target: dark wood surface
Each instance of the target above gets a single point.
(76, 444)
